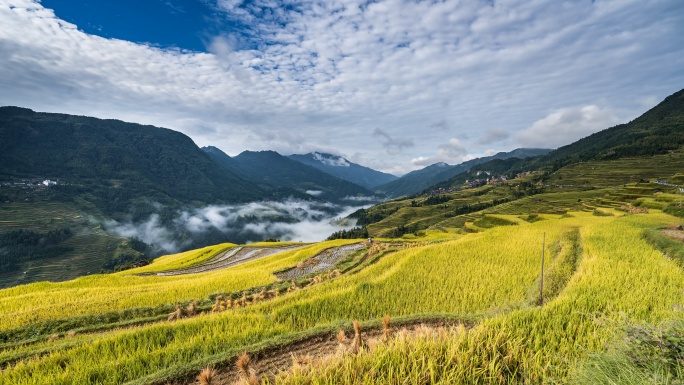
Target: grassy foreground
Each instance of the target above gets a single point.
(600, 274)
(620, 280)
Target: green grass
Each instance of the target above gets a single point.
(489, 282)
(598, 269)
(541, 345)
(614, 173)
(489, 221)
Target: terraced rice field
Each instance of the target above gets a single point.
(39, 216)
(615, 173)
(89, 246)
(228, 258)
(322, 262)
(602, 269)
(84, 258)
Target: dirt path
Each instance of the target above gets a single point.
(231, 257)
(272, 361)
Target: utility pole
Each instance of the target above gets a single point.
(541, 277)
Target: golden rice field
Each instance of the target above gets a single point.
(490, 276)
(95, 294)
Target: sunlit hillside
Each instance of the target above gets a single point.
(611, 265)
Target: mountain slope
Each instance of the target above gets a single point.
(419, 180)
(223, 159)
(414, 181)
(114, 161)
(268, 168)
(344, 169)
(657, 131)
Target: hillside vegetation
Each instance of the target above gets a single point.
(63, 173)
(599, 270)
(416, 181)
(113, 162)
(567, 273)
(581, 186)
(657, 131)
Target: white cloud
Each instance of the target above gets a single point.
(493, 136)
(222, 45)
(149, 231)
(331, 161)
(361, 198)
(323, 76)
(291, 220)
(567, 125)
(452, 152)
(391, 144)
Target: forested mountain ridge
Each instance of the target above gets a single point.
(113, 161)
(270, 169)
(419, 180)
(656, 131)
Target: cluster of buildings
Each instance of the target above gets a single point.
(484, 181)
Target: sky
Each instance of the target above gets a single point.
(395, 85)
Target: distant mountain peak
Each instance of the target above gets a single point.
(418, 180)
(212, 149)
(342, 168)
(330, 160)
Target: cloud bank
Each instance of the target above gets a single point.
(291, 220)
(452, 152)
(567, 125)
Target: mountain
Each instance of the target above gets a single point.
(657, 131)
(114, 162)
(419, 180)
(481, 173)
(269, 168)
(68, 182)
(414, 181)
(223, 159)
(344, 169)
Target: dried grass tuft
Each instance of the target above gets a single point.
(175, 315)
(206, 376)
(242, 364)
(358, 343)
(191, 309)
(386, 328)
(341, 337)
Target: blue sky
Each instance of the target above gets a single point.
(182, 24)
(392, 84)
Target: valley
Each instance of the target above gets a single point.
(535, 270)
(483, 281)
(404, 192)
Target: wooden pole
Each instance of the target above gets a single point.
(541, 277)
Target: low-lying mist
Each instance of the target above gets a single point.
(290, 220)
